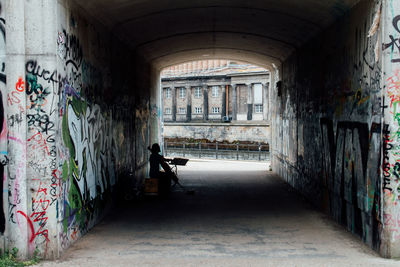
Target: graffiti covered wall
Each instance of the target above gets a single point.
(391, 132)
(3, 117)
(327, 123)
(74, 119)
(103, 135)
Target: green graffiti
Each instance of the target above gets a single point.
(65, 171)
(83, 135)
(36, 94)
(65, 220)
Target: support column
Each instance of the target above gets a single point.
(234, 102)
(249, 102)
(205, 102)
(16, 178)
(173, 92)
(223, 106)
(390, 184)
(266, 101)
(189, 103)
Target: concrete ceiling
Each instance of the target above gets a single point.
(168, 32)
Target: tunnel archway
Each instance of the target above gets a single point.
(266, 31)
(335, 91)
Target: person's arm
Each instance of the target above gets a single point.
(165, 165)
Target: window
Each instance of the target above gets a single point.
(167, 111)
(167, 92)
(197, 92)
(258, 93)
(182, 92)
(258, 108)
(215, 109)
(182, 110)
(215, 91)
(198, 110)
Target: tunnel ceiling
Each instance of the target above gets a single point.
(263, 32)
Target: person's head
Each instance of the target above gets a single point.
(155, 148)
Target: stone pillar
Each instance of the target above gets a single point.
(205, 102)
(223, 100)
(173, 92)
(266, 101)
(390, 144)
(17, 228)
(249, 102)
(189, 103)
(234, 102)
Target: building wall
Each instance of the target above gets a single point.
(222, 81)
(327, 127)
(219, 132)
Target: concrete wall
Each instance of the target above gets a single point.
(390, 172)
(219, 131)
(327, 124)
(3, 122)
(69, 131)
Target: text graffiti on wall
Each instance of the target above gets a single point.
(394, 42)
(352, 165)
(86, 168)
(391, 140)
(40, 88)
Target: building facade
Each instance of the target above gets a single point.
(220, 92)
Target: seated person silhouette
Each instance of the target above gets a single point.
(164, 177)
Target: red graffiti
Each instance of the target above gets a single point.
(40, 204)
(394, 87)
(38, 142)
(20, 85)
(33, 234)
(13, 98)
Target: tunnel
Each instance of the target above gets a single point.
(80, 86)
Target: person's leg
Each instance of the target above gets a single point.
(164, 183)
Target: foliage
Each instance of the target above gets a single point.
(9, 259)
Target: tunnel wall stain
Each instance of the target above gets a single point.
(328, 123)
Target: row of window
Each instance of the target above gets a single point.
(197, 92)
(215, 110)
(196, 110)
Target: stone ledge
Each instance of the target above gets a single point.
(235, 124)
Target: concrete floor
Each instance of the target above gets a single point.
(240, 215)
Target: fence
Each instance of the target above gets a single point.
(217, 150)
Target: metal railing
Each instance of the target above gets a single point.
(217, 150)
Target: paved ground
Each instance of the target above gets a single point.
(240, 215)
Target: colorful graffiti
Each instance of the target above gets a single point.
(91, 145)
(67, 142)
(391, 141)
(391, 135)
(89, 171)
